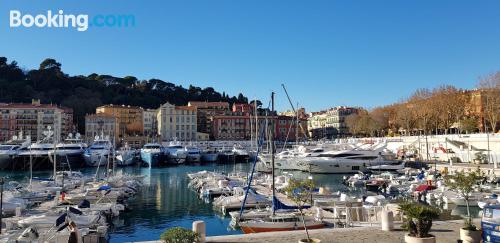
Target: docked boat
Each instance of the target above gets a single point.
(234, 202)
(99, 153)
(240, 153)
(69, 154)
(152, 154)
(393, 166)
(10, 149)
(343, 162)
(37, 154)
(226, 155)
(209, 155)
(176, 153)
(125, 156)
(279, 222)
(193, 155)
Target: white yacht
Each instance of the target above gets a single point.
(70, 152)
(289, 159)
(328, 160)
(125, 156)
(343, 162)
(240, 153)
(152, 154)
(37, 154)
(10, 149)
(209, 155)
(193, 155)
(99, 152)
(176, 153)
(226, 155)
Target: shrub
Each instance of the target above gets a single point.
(418, 218)
(179, 235)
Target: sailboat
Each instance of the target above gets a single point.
(279, 218)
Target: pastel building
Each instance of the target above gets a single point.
(33, 119)
(101, 125)
(177, 123)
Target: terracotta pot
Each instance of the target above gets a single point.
(470, 236)
(411, 239)
(313, 240)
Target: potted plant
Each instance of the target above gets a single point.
(179, 235)
(300, 192)
(418, 222)
(464, 183)
(480, 158)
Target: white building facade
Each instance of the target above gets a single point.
(149, 121)
(177, 123)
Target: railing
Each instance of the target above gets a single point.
(345, 216)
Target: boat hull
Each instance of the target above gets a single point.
(73, 159)
(96, 159)
(153, 159)
(193, 158)
(125, 159)
(209, 158)
(249, 229)
(5, 161)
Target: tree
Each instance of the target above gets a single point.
(490, 90)
(258, 102)
(50, 63)
(84, 93)
(464, 184)
(469, 124)
(300, 191)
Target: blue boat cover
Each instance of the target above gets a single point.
(61, 219)
(277, 204)
(75, 211)
(84, 204)
(104, 188)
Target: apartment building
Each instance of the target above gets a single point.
(205, 110)
(101, 124)
(329, 123)
(33, 119)
(177, 122)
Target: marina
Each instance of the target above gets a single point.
(173, 190)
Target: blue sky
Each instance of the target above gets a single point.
(327, 53)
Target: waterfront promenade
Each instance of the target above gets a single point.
(445, 232)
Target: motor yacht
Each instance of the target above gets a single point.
(240, 153)
(175, 153)
(100, 152)
(10, 149)
(152, 154)
(69, 153)
(125, 156)
(193, 155)
(209, 155)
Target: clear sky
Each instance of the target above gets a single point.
(327, 53)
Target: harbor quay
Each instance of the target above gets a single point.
(445, 232)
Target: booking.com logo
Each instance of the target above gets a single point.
(80, 22)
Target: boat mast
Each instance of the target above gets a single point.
(31, 163)
(55, 164)
(271, 138)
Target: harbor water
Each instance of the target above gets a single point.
(166, 201)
